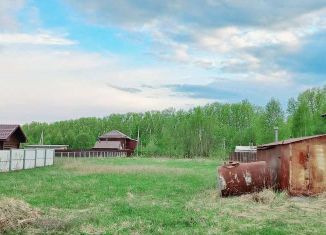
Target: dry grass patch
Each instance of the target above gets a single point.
(266, 196)
(260, 209)
(92, 230)
(16, 214)
(99, 169)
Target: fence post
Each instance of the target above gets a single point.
(35, 158)
(45, 157)
(24, 159)
(10, 158)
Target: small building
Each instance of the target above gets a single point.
(244, 154)
(297, 165)
(46, 146)
(11, 136)
(245, 149)
(116, 141)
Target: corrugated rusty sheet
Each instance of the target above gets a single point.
(239, 178)
(307, 169)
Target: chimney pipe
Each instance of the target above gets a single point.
(276, 134)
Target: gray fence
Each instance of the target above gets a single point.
(89, 154)
(20, 159)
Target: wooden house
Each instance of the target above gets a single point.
(11, 136)
(116, 141)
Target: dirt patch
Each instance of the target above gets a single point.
(98, 169)
(16, 214)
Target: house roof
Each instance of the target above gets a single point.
(108, 145)
(115, 135)
(7, 130)
(239, 149)
(289, 141)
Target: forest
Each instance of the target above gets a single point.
(209, 131)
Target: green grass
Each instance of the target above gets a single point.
(151, 196)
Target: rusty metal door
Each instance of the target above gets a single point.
(307, 169)
(299, 169)
(317, 168)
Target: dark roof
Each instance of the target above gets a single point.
(7, 130)
(289, 141)
(115, 135)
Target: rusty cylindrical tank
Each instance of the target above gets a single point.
(240, 178)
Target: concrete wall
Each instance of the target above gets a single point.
(20, 159)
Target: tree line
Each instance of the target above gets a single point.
(211, 130)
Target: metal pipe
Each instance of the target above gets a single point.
(276, 134)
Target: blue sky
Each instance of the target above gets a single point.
(72, 58)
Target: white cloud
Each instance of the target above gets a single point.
(34, 39)
(228, 39)
(49, 85)
(8, 10)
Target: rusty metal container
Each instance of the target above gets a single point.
(240, 178)
(297, 165)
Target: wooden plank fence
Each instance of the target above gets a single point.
(243, 157)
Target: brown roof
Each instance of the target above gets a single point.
(108, 145)
(7, 130)
(289, 141)
(115, 135)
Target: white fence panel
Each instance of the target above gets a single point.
(30, 158)
(19, 159)
(49, 157)
(40, 157)
(4, 160)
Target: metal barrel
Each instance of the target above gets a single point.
(240, 178)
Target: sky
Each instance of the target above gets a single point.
(65, 59)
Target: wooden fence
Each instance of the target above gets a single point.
(90, 153)
(20, 159)
(243, 157)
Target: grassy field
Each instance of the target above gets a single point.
(145, 196)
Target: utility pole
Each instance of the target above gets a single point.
(138, 142)
(42, 138)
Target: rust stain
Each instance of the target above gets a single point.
(239, 178)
